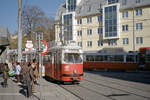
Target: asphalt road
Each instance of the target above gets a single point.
(98, 85)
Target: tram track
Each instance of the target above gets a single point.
(120, 84)
(98, 93)
(82, 97)
(82, 88)
(111, 89)
(71, 92)
(117, 89)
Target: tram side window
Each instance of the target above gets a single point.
(105, 58)
(77, 58)
(46, 58)
(68, 58)
(115, 58)
(50, 57)
(130, 58)
(110, 58)
(99, 58)
(58, 58)
(89, 58)
(118, 58)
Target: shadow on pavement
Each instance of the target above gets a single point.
(48, 79)
(23, 90)
(114, 95)
(141, 77)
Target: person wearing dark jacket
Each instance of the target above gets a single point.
(5, 71)
(28, 72)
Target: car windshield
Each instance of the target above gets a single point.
(72, 58)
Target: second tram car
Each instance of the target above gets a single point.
(64, 63)
(110, 61)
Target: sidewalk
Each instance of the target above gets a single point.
(50, 91)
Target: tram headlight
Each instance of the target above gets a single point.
(75, 71)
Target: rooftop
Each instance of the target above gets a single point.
(90, 7)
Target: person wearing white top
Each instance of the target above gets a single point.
(17, 72)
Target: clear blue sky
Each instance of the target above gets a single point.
(9, 11)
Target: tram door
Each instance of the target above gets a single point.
(55, 66)
(142, 60)
(52, 67)
(51, 64)
(59, 66)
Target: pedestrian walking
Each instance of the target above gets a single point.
(35, 70)
(17, 72)
(24, 70)
(28, 72)
(5, 71)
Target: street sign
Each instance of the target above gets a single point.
(29, 44)
(45, 47)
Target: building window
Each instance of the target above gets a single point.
(100, 18)
(89, 9)
(139, 26)
(68, 35)
(139, 12)
(60, 35)
(80, 44)
(138, 1)
(124, 28)
(112, 42)
(125, 14)
(112, 1)
(139, 40)
(100, 43)
(124, 2)
(125, 41)
(89, 43)
(100, 31)
(71, 5)
(89, 32)
(110, 24)
(80, 33)
(89, 20)
(79, 21)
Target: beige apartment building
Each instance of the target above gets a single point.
(98, 25)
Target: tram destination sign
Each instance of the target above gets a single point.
(74, 50)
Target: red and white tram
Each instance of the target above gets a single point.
(64, 63)
(110, 61)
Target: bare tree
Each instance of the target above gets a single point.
(32, 16)
(34, 19)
